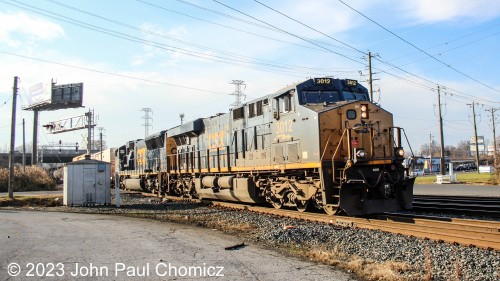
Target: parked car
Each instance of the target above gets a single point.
(417, 173)
(466, 168)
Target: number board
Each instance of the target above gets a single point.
(323, 81)
(351, 83)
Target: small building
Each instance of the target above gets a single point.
(87, 182)
(430, 166)
(107, 155)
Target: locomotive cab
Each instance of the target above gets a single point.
(361, 151)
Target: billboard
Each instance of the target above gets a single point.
(39, 94)
(480, 144)
(53, 97)
(68, 94)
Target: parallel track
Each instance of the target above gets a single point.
(479, 233)
(476, 206)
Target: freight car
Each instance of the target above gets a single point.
(318, 143)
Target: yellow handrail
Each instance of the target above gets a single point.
(335, 153)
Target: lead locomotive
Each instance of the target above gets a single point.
(317, 143)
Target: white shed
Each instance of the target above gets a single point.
(87, 182)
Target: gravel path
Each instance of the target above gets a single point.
(372, 254)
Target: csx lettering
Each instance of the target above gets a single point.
(216, 139)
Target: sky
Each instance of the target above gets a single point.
(179, 56)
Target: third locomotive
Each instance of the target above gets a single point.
(319, 143)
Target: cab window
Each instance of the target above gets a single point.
(285, 103)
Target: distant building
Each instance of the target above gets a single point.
(431, 166)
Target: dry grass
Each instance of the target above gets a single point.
(34, 178)
(32, 201)
(370, 270)
(468, 178)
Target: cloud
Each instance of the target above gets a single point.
(451, 10)
(17, 28)
(154, 33)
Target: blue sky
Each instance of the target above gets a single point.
(129, 54)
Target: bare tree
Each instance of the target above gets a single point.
(424, 149)
(463, 149)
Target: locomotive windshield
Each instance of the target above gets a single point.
(330, 96)
(354, 96)
(320, 96)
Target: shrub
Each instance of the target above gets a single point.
(34, 178)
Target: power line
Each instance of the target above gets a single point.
(416, 47)
(114, 74)
(229, 27)
(289, 33)
(301, 23)
(379, 59)
(265, 63)
(181, 41)
(174, 49)
(448, 42)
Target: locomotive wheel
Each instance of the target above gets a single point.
(330, 210)
(277, 204)
(302, 205)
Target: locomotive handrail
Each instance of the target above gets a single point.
(335, 153)
(326, 144)
(192, 160)
(406, 137)
(408, 142)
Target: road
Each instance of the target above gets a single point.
(457, 190)
(112, 247)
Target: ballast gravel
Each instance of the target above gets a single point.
(426, 259)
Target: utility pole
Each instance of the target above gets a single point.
(147, 118)
(475, 135)
(12, 140)
(89, 132)
(441, 163)
(100, 141)
(182, 117)
(24, 147)
(430, 152)
(493, 125)
(238, 92)
(34, 149)
(370, 81)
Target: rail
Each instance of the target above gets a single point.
(467, 232)
(465, 205)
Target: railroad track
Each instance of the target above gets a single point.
(479, 233)
(476, 206)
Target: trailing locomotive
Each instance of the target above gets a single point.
(317, 143)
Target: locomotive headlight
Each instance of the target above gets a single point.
(364, 111)
(360, 153)
(400, 152)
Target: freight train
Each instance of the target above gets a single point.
(318, 143)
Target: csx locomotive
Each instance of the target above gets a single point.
(318, 143)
